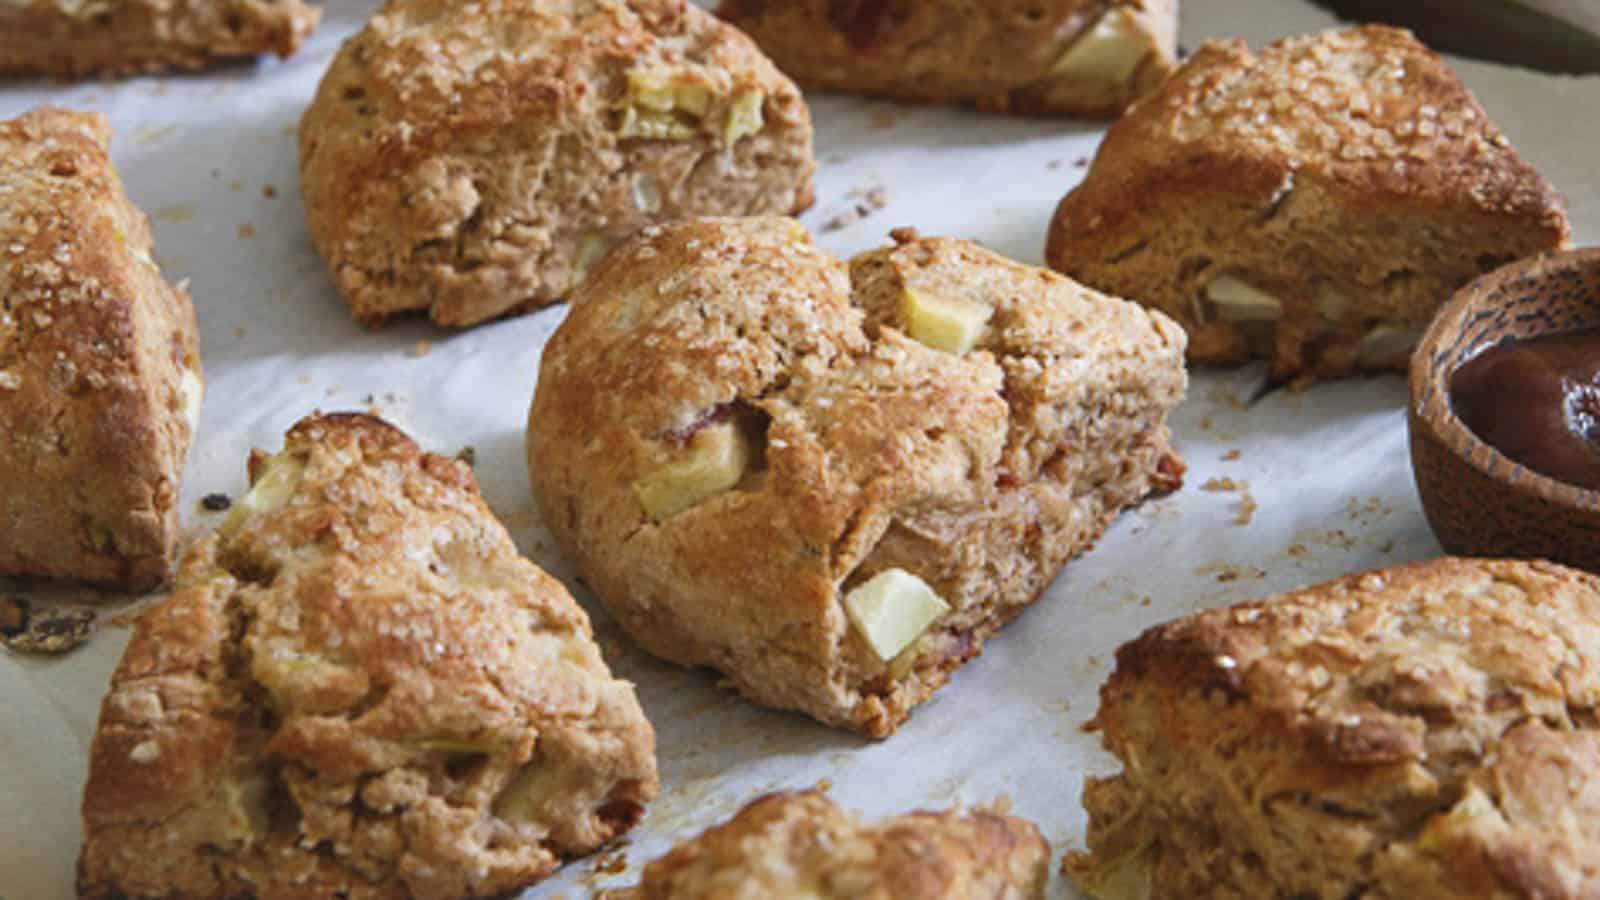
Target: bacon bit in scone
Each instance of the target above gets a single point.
(51, 631)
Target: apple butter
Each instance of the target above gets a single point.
(1538, 402)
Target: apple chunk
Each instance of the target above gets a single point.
(953, 326)
(892, 609)
(271, 491)
(1110, 52)
(714, 460)
(1240, 301)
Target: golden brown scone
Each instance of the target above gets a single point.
(1314, 204)
(73, 38)
(359, 690)
(1057, 57)
(471, 161)
(799, 845)
(99, 364)
(759, 471)
(1416, 733)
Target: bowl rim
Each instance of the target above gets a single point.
(1438, 416)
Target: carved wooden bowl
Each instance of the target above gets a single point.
(1478, 501)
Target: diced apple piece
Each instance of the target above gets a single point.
(1387, 345)
(1332, 303)
(953, 326)
(1464, 816)
(714, 461)
(892, 609)
(1109, 52)
(272, 490)
(1239, 301)
(591, 249)
(1129, 877)
(745, 117)
(245, 800)
(193, 392)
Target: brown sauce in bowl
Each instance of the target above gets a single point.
(1538, 402)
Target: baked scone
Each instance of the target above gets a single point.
(471, 161)
(799, 845)
(72, 38)
(832, 483)
(358, 690)
(1314, 204)
(100, 383)
(1422, 732)
(1067, 57)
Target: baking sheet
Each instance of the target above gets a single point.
(212, 159)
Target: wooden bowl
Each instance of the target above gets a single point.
(1478, 501)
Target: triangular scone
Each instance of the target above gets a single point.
(799, 845)
(1423, 732)
(359, 689)
(1054, 57)
(834, 483)
(70, 38)
(1314, 204)
(99, 364)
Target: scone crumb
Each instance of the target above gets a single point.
(1220, 485)
(145, 753)
(1232, 455)
(52, 631)
(1247, 509)
(420, 349)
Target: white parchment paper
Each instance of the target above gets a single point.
(212, 159)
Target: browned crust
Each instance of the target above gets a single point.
(342, 692)
(800, 844)
(1413, 732)
(980, 473)
(466, 166)
(996, 55)
(94, 344)
(1355, 158)
(127, 37)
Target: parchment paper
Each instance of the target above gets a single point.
(212, 159)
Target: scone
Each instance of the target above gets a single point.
(100, 382)
(358, 690)
(799, 845)
(832, 483)
(1313, 205)
(1070, 57)
(1416, 733)
(72, 38)
(471, 161)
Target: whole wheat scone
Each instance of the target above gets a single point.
(799, 845)
(1313, 204)
(762, 465)
(1424, 731)
(471, 161)
(1070, 57)
(100, 383)
(73, 38)
(358, 690)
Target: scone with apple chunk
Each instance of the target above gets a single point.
(472, 160)
(799, 845)
(358, 690)
(1421, 732)
(100, 384)
(1054, 57)
(832, 482)
(1313, 204)
(76, 38)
